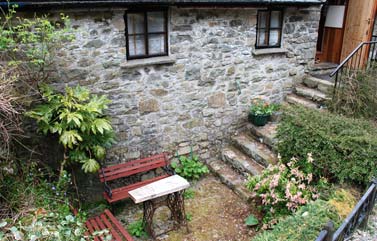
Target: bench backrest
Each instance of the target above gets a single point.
(133, 167)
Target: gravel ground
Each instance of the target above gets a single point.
(370, 233)
(216, 214)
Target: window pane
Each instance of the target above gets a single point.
(135, 23)
(275, 19)
(136, 45)
(262, 38)
(274, 38)
(156, 22)
(156, 43)
(262, 19)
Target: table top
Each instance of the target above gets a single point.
(159, 188)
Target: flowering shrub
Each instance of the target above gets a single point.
(283, 188)
(261, 107)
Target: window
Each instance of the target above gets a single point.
(146, 34)
(269, 28)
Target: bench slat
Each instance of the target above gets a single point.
(111, 228)
(130, 170)
(134, 162)
(122, 192)
(118, 225)
(96, 227)
(91, 229)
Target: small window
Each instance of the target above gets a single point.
(269, 28)
(146, 34)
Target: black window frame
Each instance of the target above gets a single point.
(268, 29)
(146, 33)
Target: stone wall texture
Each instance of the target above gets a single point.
(201, 98)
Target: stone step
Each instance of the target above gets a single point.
(322, 68)
(264, 134)
(230, 178)
(299, 100)
(324, 86)
(256, 150)
(311, 94)
(241, 162)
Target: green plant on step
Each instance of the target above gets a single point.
(190, 167)
(137, 229)
(78, 118)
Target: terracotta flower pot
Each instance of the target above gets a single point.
(259, 120)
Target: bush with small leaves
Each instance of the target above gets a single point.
(190, 167)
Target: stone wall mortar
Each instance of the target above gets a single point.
(195, 101)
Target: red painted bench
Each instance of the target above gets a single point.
(131, 168)
(106, 220)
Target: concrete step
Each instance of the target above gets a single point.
(311, 94)
(256, 150)
(230, 178)
(264, 134)
(324, 86)
(299, 100)
(241, 162)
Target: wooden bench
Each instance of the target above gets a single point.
(106, 220)
(131, 168)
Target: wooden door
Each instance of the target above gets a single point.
(329, 44)
(359, 24)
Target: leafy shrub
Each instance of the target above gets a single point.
(78, 118)
(43, 211)
(283, 188)
(190, 167)
(343, 201)
(356, 94)
(305, 224)
(344, 149)
(137, 229)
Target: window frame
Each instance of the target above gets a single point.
(146, 33)
(268, 29)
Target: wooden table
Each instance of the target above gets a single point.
(171, 188)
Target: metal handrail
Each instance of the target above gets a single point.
(345, 61)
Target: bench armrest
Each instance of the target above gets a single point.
(169, 170)
(108, 189)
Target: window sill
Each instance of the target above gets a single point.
(135, 63)
(267, 51)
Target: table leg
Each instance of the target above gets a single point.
(148, 218)
(176, 204)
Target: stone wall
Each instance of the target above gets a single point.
(194, 101)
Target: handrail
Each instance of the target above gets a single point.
(350, 56)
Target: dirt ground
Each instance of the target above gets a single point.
(215, 214)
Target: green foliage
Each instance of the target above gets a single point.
(305, 224)
(189, 217)
(251, 220)
(189, 193)
(42, 208)
(190, 167)
(356, 95)
(261, 107)
(137, 229)
(344, 149)
(78, 118)
(283, 188)
(27, 50)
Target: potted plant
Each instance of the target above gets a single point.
(261, 111)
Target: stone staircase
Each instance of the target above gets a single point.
(248, 153)
(315, 89)
(252, 149)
